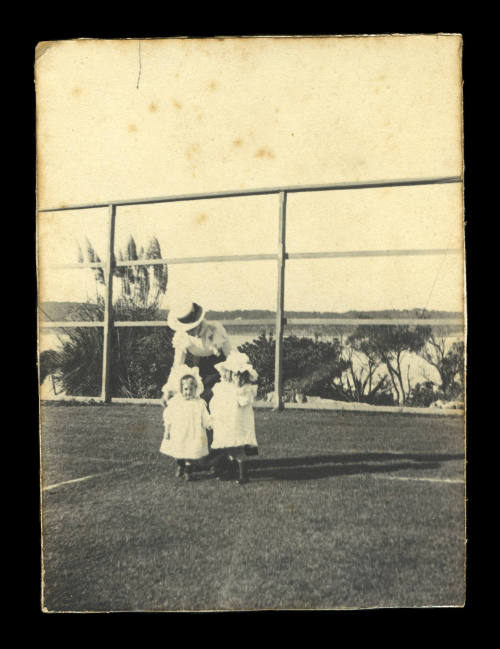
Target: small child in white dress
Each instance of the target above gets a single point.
(232, 414)
(186, 421)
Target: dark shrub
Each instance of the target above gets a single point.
(308, 366)
(423, 394)
(141, 356)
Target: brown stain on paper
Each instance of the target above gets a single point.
(264, 152)
(132, 128)
(192, 150)
(177, 104)
(152, 107)
(201, 219)
(199, 113)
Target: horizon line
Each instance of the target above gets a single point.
(269, 310)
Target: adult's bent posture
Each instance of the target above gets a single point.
(197, 343)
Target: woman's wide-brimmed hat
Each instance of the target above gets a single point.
(237, 362)
(185, 315)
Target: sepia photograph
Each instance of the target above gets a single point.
(251, 323)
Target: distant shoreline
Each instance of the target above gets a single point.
(59, 311)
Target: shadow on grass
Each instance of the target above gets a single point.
(312, 467)
(317, 472)
(324, 466)
(344, 458)
(315, 467)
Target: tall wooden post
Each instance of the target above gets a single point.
(108, 307)
(280, 305)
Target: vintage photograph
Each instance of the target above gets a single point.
(251, 323)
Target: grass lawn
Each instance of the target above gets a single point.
(343, 510)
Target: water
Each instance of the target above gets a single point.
(48, 340)
(415, 367)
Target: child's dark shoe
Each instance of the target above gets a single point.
(179, 469)
(223, 474)
(222, 468)
(242, 473)
(188, 473)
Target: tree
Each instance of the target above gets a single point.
(362, 380)
(141, 356)
(261, 354)
(423, 394)
(390, 344)
(308, 366)
(48, 363)
(141, 284)
(449, 363)
(78, 361)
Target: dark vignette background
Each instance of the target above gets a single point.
(28, 578)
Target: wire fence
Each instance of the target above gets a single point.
(280, 257)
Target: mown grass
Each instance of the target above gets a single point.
(322, 523)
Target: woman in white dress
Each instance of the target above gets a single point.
(197, 343)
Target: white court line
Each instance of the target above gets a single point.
(90, 459)
(391, 477)
(93, 475)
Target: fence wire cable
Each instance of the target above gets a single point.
(443, 260)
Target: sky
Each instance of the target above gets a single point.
(129, 119)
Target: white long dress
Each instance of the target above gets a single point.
(232, 415)
(186, 421)
(212, 340)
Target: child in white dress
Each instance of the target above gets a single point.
(232, 414)
(186, 421)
